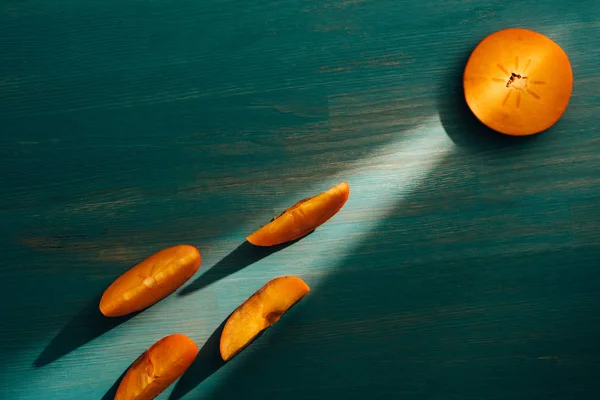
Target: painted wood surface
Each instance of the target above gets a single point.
(465, 265)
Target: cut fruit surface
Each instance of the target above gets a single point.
(259, 312)
(150, 281)
(518, 82)
(157, 368)
(302, 218)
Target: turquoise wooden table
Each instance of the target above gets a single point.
(465, 264)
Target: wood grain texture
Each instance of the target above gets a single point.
(464, 265)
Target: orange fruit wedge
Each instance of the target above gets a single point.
(259, 312)
(518, 82)
(157, 368)
(150, 281)
(302, 218)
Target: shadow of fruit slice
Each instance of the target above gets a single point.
(259, 312)
(156, 369)
(518, 82)
(150, 281)
(302, 218)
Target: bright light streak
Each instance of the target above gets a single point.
(396, 169)
(378, 185)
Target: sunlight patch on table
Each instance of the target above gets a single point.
(379, 184)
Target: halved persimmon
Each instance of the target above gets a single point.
(518, 82)
(151, 280)
(157, 368)
(302, 218)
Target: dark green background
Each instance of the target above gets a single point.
(464, 266)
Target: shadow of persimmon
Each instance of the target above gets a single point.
(244, 255)
(84, 327)
(207, 362)
(110, 394)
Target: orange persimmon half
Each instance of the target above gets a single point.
(518, 82)
(260, 311)
(157, 368)
(302, 218)
(151, 280)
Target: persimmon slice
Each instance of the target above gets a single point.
(150, 281)
(157, 368)
(302, 218)
(518, 82)
(260, 311)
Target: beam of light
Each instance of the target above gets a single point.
(377, 186)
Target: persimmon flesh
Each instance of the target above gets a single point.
(259, 312)
(151, 280)
(302, 218)
(157, 368)
(518, 82)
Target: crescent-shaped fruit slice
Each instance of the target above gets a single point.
(518, 82)
(259, 312)
(302, 218)
(150, 281)
(157, 368)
